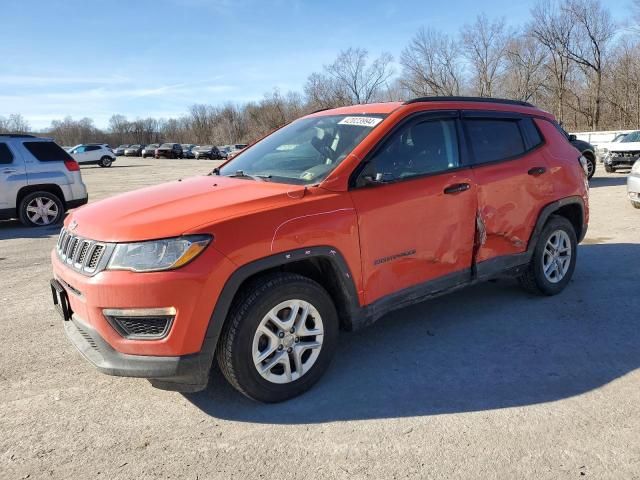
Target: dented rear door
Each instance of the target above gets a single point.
(512, 177)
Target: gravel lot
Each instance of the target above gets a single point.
(485, 383)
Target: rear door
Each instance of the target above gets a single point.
(93, 153)
(12, 176)
(416, 207)
(513, 181)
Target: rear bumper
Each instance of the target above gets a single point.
(188, 373)
(78, 202)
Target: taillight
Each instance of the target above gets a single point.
(72, 165)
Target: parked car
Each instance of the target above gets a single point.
(149, 150)
(119, 151)
(633, 185)
(187, 150)
(93, 154)
(134, 150)
(622, 154)
(39, 181)
(224, 151)
(210, 152)
(169, 150)
(588, 151)
(262, 262)
(603, 148)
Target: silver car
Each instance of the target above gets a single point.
(39, 181)
(633, 185)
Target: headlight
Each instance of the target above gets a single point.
(636, 168)
(156, 255)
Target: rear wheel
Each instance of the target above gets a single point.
(554, 258)
(105, 161)
(279, 338)
(591, 166)
(40, 209)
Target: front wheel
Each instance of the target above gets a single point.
(279, 338)
(554, 258)
(635, 204)
(609, 168)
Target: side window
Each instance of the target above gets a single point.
(47, 151)
(79, 150)
(92, 148)
(494, 139)
(6, 156)
(419, 148)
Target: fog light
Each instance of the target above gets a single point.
(141, 323)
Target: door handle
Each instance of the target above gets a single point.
(457, 188)
(535, 171)
(9, 170)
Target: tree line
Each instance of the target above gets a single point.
(571, 59)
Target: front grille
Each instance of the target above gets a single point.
(81, 254)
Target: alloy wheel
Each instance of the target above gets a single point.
(42, 211)
(288, 341)
(556, 258)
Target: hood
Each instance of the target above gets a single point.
(172, 209)
(624, 147)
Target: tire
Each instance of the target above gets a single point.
(534, 279)
(609, 168)
(591, 166)
(105, 161)
(635, 204)
(47, 202)
(240, 341)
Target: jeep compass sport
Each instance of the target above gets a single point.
(326, 224)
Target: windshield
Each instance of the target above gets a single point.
(305, 151)
(134, 146)
(166, 145)
(631, 137)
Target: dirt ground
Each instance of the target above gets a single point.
(488, 382)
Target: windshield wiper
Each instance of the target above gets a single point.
(241, 174)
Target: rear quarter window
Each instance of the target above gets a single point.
(6, 156)
(495, 139)
(47, 151)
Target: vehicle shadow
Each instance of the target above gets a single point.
(12, 229)
(486, 347)
(87, 167)
(596, 182)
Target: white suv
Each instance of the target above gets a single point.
(39, 181)
(93, 154)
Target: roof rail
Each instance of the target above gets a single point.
(469, 99)
(17, 135)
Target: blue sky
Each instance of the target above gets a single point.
(155, 58)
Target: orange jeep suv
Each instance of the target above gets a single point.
(324, 225)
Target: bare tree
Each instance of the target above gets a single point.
(591, 39)
(432, 64)
(15, 123)
(525, 64)
(349, 79)
(485, 46)
(552, 28)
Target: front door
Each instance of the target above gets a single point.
(416, 205)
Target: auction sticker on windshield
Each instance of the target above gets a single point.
(360, 121)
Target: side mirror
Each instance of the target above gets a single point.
(572, 138)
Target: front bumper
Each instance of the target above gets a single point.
(633, 187)
(187, 373)
(184, 355)
(619, 160)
